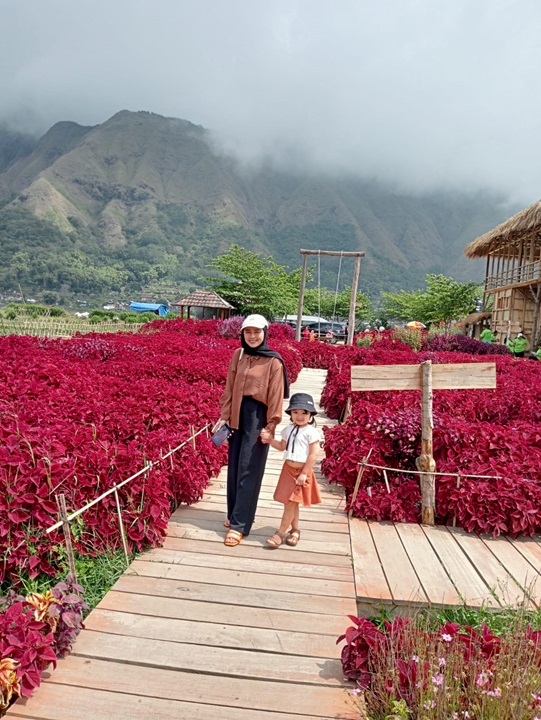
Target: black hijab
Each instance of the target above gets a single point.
(265, 351)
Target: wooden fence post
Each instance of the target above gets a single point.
(61, 502)
(425, 462)
(121, 527)
(358, 482)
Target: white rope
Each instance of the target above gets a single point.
(337, 284)
(448, 474)
(147, 468)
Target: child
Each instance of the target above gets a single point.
(297, 483)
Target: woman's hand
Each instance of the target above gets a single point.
(266, 436)
(218, 426)
(301, 480)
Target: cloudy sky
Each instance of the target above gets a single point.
(424, 94)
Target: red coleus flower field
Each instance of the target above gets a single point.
(80, 415)
(476, 432)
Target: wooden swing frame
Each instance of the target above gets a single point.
(354, 287)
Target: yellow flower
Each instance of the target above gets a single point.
(9, 685)
(41, 602)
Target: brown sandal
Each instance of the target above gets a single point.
(275, 540)
(233, 538)
(293, 537)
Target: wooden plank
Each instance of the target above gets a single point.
(264, 528)
(517, 566)
(228, 595)
(336, 501)
(212, 634)
(194, 658)
(449, 376)
(403, 582)
(127, 598)
(370, 581)
(436, 583)
(501, 585)
(243, 580)
(471, 589)
(530, 549)
(325, 547)
(316, 510)
(328, 515)
(285, 554)
(241, 564)
(217, 517)
(81, 689)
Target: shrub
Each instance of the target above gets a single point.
(411, 669)
(36, 631)
(463, 344)
(230, 327)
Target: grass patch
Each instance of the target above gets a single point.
(96, 575)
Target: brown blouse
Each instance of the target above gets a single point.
(259, 377)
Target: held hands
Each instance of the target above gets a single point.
(301, 480)
(266, 436)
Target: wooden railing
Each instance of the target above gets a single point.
(515, 276)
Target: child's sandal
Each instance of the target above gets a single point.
(293, 538)
(275, 540)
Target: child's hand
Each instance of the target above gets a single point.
(265, 436)
(301, 480)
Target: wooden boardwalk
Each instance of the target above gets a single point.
(196, 630)
(403, 567)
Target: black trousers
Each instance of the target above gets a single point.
(246, 465)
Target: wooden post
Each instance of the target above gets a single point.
(192, 438)
(121, 526)
(301, 298)
(425, 462)
(61, 502)
(358, 482)
(353, 301)
(457, 487)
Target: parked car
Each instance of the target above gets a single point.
(322, 328)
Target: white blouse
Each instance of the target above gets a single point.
(298, 441)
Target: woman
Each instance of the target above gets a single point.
(252, 401)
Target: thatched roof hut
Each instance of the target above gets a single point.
(507, 237)
(206, 299)
(513, 272)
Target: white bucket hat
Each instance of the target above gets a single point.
(257, 321)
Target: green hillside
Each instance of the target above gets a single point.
(143, 200)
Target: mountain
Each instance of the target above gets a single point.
(142, 200)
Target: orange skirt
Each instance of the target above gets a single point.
(287, 489)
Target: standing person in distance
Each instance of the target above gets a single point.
(487, 336)
(297, 483)
(256, 385)
(520, 345)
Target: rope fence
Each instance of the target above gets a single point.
(65, 519)
(363, 464)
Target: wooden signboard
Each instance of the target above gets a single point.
(425, 377)
(459, 376)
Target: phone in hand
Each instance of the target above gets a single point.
(221, 435)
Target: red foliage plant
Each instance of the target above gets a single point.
(493, 433)
(80, 415)
(36, 630)
(402, 659)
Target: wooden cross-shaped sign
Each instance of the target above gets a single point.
(425, 377)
